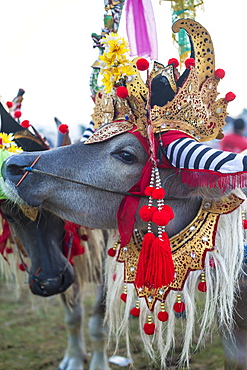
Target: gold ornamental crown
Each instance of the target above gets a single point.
(193, 108)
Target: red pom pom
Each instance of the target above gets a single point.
(25, 123)
(9, 250)
(161, 218)
(219, 73)
(173, 61)
(22, 266)
(169, 209)
(146, 212)
(245, 224)
(142, 64)
(111, 252)
(149, 329)
(9, 104)
(124, 297)
(84, 237)
(148, 191)
(163, 316)
(202, 286)
(230, 96)
(17, 114)
(158, 193)
(190, 62)
(122, 92)
(179, 307)
(135, 312)
(63, 128)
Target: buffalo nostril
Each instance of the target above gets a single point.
(15, 170)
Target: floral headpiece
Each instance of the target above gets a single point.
(192, 104)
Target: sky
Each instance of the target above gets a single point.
(47, 50)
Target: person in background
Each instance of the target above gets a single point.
(236, 141)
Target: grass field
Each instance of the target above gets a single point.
(33, 335)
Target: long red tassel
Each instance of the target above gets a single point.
(160, 268)
(144, 257)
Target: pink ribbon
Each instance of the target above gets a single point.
(141, 29)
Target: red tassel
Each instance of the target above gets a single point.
(135, 311)
(160, 267)
(179, 307)
(163, 316)
(149, 329)
(124, 297)
(22, 266)
(202, 286)
(143, 259)
(111, 252)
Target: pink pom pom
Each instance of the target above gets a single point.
(173, 61)
(158, 193)
(202, 286)
(142, 64)
(63, 128)
(25, 123)
(161, 218)
(146, 212)
(219, 73)
(9, 104)
(163, 316)
(135, 312)
(122, 92)
(179, 307)
(149, 328)
(190, 62)
(17, 114)
(230, 96)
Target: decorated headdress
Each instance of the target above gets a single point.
(167, 109)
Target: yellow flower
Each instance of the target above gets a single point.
(6, 138)
(14, 149)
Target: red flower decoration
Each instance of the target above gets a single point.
(173, 61)
(63, 128)
(230, 96)
(142, 64)
(17, 114)
(122, 92)
(25, 123)
(219, 73)
(190, 62)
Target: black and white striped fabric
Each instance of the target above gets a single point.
(88, 132)
(187, 153)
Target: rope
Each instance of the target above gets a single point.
(39, 172)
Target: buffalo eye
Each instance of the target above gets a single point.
(125, 156)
